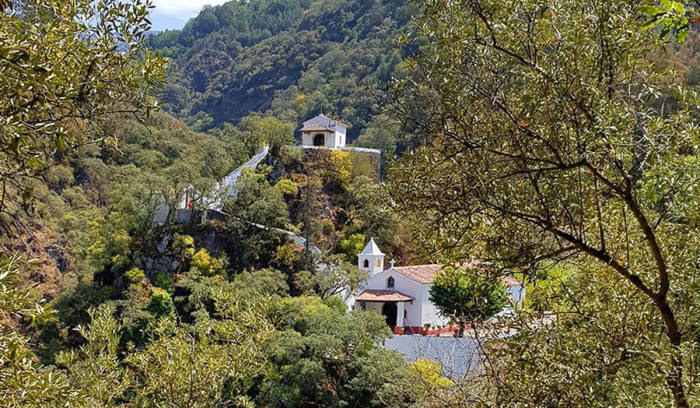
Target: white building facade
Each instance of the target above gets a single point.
(402, 294)
(322, 131)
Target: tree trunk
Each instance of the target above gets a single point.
(674, 379)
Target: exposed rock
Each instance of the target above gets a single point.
(59, 255)
(162, 246)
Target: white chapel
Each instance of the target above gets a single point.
(402, 293)
(322, 131)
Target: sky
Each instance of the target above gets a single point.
(173, 14)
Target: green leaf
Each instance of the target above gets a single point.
(666, 4)
(649, 10)
(679, 7)
(682, 34)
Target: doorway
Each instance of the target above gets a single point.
(319, 140)
(389, 310)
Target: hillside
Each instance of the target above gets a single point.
(291, 58)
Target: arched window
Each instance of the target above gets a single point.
(390, 282)
(366, 263)
(319, 139)
(379, 263)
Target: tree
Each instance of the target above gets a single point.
(322, 356)
(211, 367)
(335, 278)
(63, 66)
(23, 382)
(208, 365)
(671, 17)
(256, 212)
(254, 130)
(548, 140)
(381, 133)
(467, 294)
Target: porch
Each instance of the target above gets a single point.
(389, 303)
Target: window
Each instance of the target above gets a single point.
(390, 282)
(366, 263)
(379, 263)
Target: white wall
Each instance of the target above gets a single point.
(430, 312)
(340, 136)
(517, 294)
(374, 306)
(403, 285)
(372, 267)
(307, 139)
(334, 139)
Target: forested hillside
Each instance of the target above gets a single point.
(293, 58)
(555, 143)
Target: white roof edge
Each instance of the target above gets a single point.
(332, 122)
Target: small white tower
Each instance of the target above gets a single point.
(371, 259)
(322, 131)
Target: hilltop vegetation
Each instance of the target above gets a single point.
(292, 58)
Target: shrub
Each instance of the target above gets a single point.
(207, 264)
(163, 281)
(161, 303)
(135, 275)
(183, 246)
(287, 187)
(353, 245)
(342, 167)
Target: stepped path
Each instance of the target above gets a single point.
(229, 182)
(227, 188)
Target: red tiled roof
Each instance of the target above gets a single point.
(419, 273)
(313, 127)
(382, 295)
(510, 281)
(426, 273)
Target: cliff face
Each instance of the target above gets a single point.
(336, 193)
(358, 162)
(331, 197)
(161, 255)
(50, 255)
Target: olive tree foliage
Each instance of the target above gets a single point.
(672, 19)
(546, 140)
(22, 381)
(467, 294)
(336, 278)
(210, 364)
(64, 65)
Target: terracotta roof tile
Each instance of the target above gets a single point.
(426, 273)
(510, 281)
(382, 295)
(419, 273)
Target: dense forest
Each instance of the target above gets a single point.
(78, 234)
(289, 58)
(555, 142)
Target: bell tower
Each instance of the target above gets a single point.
(371, 259)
